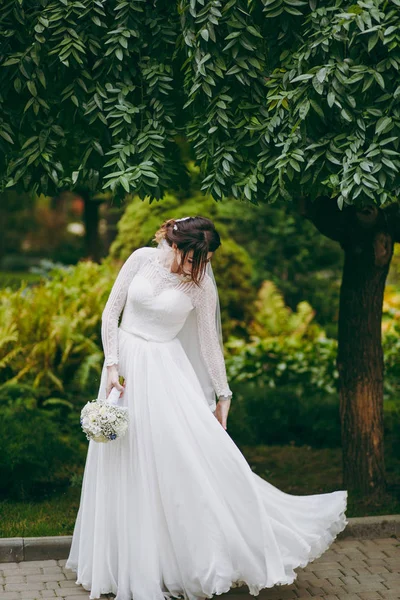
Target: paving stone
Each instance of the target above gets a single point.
(6, 567)
(76, 597)
(14, 578)
(51, 585)
(29, 595)
(68, 583)
(382, 570)
(51, 570)
(45, 577)
(22, 587)
(24, 570)
(41, 563)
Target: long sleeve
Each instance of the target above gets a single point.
(209, 343)
(115, 304)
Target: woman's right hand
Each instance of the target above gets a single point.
(113, 380)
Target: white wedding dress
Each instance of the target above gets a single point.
(173, 509)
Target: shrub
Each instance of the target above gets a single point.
(33, 454)
(50, 333)
(285, 379)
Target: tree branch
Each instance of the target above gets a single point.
(325, 214)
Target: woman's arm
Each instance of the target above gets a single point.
(209, 342)
(115, 304)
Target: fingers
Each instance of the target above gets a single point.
(221, 418)
(114, 383)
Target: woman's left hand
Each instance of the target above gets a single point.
(221, 412)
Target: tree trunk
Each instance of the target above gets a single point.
(360, 359)
(91, 220)
(367, 236)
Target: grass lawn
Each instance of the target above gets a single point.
(294, 470)
(306, 470)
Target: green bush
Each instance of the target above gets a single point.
(34, 454)
(50, 333)
(283, 415)
(285, 379)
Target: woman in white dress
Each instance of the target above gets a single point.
(173, 509)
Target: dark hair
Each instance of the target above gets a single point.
(193, 233)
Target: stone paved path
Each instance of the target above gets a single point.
(350, 570)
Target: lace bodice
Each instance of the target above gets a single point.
(156, 304)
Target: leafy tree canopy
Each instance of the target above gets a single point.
(278, 98)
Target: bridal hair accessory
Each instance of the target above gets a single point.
(103, 420)
(177, 220)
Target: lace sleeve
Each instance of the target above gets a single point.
(115, 304)
(209, 343)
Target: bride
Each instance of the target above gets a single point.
(173, 509)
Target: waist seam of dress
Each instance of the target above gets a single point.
(147, 339)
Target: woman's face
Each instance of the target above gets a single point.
(187, 266)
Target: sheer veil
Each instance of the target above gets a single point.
(189, 336)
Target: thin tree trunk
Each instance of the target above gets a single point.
(91, 220)
(360, 364)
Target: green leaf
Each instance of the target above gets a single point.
(6, 136)
(295, 165)
(254, 31)
(98, 147)
(125, 183)
(389, 163)
(303, 77)
(372, 41)
(233, 35)
(29, 141)
(379, 79)
(32, 88)
(321, 74)
(41, 77)
(317, 109)
(10, 61)
(332, 158)
(304, 108)
(346, 115)
(382, 124)
(150, 174)
(17, 85)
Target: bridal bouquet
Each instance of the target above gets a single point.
(102, 420)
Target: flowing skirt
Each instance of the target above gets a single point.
(173, 509)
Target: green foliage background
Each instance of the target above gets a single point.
(283, 377)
